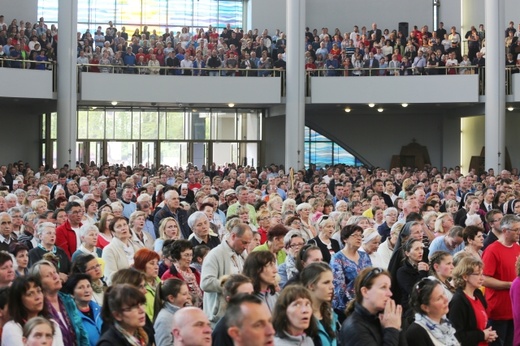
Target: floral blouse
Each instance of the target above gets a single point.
(345, 271)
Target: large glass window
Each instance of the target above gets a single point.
(321, 151)
(156, 14)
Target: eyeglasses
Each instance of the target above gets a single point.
(187, 255)
(292, 246)
(97, 266)
(134, 307)
(372, 273)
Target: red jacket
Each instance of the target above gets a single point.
(66, 238)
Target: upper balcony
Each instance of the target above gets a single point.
(246, 91)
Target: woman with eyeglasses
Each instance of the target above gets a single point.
(124, 311)
(468, 305)
(88, 264)
(323, 240)
(373, 318)
(430, 304)
(412, 270)
(136, 279)
(346, 265)
(293, 243)
(317, 278)
(181, 252)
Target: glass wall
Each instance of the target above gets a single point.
(156, 14)
(175, 137)
(322, 151)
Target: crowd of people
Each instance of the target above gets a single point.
(234, 52)
(232, 255)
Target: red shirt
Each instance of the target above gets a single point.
(480, 315)
(499, 263)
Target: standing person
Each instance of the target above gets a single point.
(373, 318)
(191, 327)
(67, 235)
(36, 329)
(181, 251)
(468, 306)
(88, 264)
(515, 301)
(249, 321)
(226, 259)
(260, 267)
(231, 286)
(60, 305)
(412, 270)
(292, 318)
(124, 311)
(499, 271)
(172, 208)
(26, 302)
(441, 267)
(346, 266)
(317, 278)
(119, 254)
(147, 262)
(323, 240)
(171, 296)
(80, 288)
(430, 305)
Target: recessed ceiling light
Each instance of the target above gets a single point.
(404, 105)
(347, 110)
(114, 103)
(231, 105)
(380, 110)
(371, 105)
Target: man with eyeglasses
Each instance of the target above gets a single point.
(499, 271)
(493, 219)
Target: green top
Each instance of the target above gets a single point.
(280, 256)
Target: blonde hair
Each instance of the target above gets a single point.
(465, 267)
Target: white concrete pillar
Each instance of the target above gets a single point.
(495, 85)
(67, 82)
(295, 85)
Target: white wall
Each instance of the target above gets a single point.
(410, 89)
(27, 83)
(26, 10)
(179, 89)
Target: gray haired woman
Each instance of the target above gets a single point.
(199, 225)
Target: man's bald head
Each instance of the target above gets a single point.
(191, 327)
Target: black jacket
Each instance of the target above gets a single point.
(407, 277)
(363, 329)
(112, 337)
(417, 335)
(463, 319)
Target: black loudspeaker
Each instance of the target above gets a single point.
(403, 29)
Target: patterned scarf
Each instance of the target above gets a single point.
(443, 331)
(138, 339)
